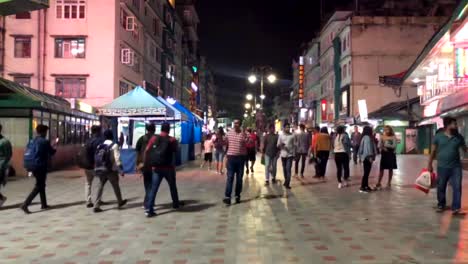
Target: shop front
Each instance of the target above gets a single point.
(440, 74)
(23, 108)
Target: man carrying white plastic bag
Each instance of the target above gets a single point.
(446, 149)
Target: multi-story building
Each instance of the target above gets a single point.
(356, 50)
(311, 83)
(74, 51)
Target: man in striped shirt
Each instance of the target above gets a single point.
(236, 152)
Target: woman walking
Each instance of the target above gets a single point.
(367, 153)
(342, 150)
(387, 146)
(220, 150)
(322, 152)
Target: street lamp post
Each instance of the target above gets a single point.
(261, 72)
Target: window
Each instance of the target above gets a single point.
(123, 88)
(123, 18)
(22, 47)
(349, 68)
(23, 80)
(24, 15)
(345, 71)
(70, 87)
(136, 4)
(156, 27)
(71, 9)
(344, 45)
(70, 48)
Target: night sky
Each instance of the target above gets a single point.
(239, 34)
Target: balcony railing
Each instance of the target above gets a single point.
(442, 89)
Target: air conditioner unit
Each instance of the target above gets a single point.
(127, 56)
(131, 23)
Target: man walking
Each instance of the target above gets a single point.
(270, 154)
(236, 151)
(90, 147)
(355, 142)
(446, 149)
(251, 150)
(286, 144)
(160, 152)
(107, 167)
(302, 142)
(5, 157)
(37, 157)
(143, 166)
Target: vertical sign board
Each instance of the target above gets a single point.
(301, 81)
(362, 105)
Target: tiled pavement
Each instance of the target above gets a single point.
(313, 223)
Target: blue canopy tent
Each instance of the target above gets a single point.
(127, 116)
(193, 128)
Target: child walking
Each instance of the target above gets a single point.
(208, 149)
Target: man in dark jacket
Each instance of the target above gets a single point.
(45, 151)
(270, 154)
(146, 171)
(91, 146)
(162, 171)
(5, 157)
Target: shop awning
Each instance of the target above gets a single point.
(458, 13)
(137, 102)
(13, 95)
(393, 110)
(392, 80)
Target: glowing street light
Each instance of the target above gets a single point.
(258, 106)
(271, 78)
(247, 106)
(249, 97)
(252, 78)
(246, 115)
(262, 96)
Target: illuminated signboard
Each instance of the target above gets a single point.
(323, 105)
(461, 62)
(301, 80)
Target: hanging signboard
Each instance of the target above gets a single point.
(301, 80)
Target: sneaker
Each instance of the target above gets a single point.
(227, 201)
(2, 200)
(340, 185)
(287, 186)
(378, 187)
(150, 214)
(97, 210)
(440, 209)
(364, 190)
(122, 203)
(458, 213)
(89, 205)
(238, 200)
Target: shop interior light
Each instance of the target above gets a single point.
(416, 80)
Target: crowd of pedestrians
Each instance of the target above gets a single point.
(236, 149)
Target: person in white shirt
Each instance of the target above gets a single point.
(286, 145)
(111, 173)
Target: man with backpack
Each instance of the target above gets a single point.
(86, 161)
(145, 170)
(159, 156)
(36, 160)
(5, 157)
(107, 166)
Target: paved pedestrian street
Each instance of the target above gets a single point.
(315, 222)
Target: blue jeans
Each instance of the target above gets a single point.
(158, 176)
(287, 166)
(270, 167)
(235, 168)
(147, 183)
(455, 177)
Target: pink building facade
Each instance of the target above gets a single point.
(93, 51)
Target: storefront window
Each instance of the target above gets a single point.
(70, 130)
(53, 126)
(61, 129)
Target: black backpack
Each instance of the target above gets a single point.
(85, 156)
(159, 152)
(103, 159)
